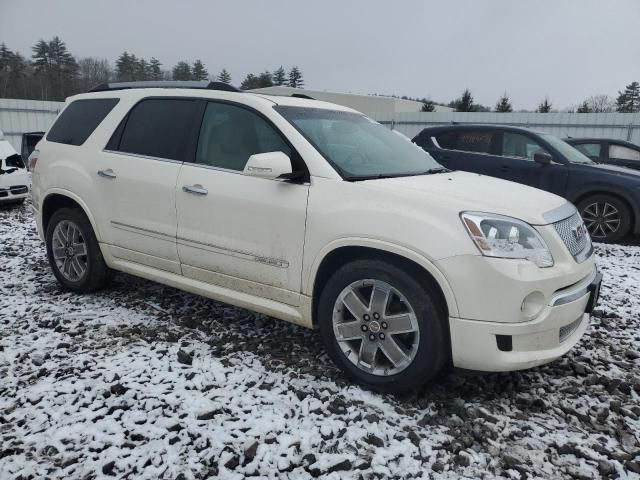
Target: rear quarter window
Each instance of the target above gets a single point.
(78, 121)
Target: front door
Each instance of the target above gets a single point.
(234, 230)
(137, 176)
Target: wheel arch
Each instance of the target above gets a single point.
(342, 252)
(58, 198)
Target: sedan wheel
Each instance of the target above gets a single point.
(376, 327)
(602, 219)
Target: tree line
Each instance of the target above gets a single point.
(53, 73)
(627, 101)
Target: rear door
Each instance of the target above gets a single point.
(471, 150)
(137, 174)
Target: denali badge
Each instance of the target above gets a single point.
(579, 231)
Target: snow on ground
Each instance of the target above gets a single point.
(142, 381)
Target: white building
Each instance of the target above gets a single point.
(371, 105)
(22, 116)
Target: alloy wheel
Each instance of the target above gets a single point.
(602, 219)
(69, 250)
(376, 327)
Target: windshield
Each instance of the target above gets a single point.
(571, 153)
(358, 147)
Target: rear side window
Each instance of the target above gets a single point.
(623, 153)
(156, 128)
(79, 120)
(589, 149)
(478, 141)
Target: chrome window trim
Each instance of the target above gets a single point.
(574, 292)
(145, 157)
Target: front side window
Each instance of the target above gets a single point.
(229, 135)
(623, 153)
(79, 120)
(519, 146)
(477, 141)
(572, 154)
(356, 146)
(157, 128)
(589, 149)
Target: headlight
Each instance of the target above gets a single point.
(506, 237)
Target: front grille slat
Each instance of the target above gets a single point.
(566, 229)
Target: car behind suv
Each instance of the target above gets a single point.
(312, 213)
(608, 150)
(607, 197)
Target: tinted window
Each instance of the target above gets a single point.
(229, 135)
(623, 153)
(589, 149)
(158, 128)
(79, 120)
(474, 141)
(520, 146)
(446, 140)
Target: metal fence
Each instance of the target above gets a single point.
(623, 126)
(21, 116)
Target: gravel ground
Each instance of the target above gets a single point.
(143, 381)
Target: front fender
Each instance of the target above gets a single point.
(308, 280)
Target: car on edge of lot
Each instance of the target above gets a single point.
(312, 213)
(607, 197)
(14, 179)
(608, 150)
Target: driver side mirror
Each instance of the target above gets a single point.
(270, 165)
(542, 158)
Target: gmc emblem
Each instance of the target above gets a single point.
(579, 231)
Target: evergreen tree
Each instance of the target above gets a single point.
(198, 71)
(545, 106)
(279, 76)
(182, 71)
(265, 79)
(142, 70)
(464, 103)
(13, 74)
(629, 100)
(155, 70)
(584, 107)
(250, 82)
(504, 104)
(428, 105)
(56, 67)
(295, 78)
(224, 76)
(126, 67)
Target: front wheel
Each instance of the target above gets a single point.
(382, 326)
(607, 218)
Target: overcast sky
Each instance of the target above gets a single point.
(566, 49)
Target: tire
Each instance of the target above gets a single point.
(96, 274)
(425, 354)
(607, 217)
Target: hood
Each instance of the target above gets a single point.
(615, 170)
(464, 191)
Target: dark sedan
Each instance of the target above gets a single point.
(607, 196)
(608, 150)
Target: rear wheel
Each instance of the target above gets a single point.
(74, 253)
(607, 218)
(382, 326)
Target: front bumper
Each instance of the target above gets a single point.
(492, 346)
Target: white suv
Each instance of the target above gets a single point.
(313, 213)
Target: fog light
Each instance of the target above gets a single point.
(532, 305)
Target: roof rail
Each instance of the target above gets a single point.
(203, 85)
(302, 95)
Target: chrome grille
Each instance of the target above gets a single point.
(569, 329)
(567, 229)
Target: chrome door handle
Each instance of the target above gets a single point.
(196, 189)
(108, 173)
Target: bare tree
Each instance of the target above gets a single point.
(601, 103)
(93, 71)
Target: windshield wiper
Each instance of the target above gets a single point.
(378, 176)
